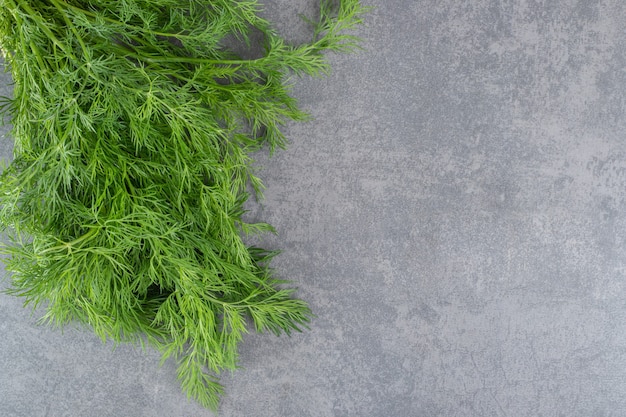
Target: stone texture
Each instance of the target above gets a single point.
(455, 215)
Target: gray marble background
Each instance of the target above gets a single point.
(455, 215)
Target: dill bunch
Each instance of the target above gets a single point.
(133, 125)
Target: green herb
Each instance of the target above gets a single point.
(133, 125)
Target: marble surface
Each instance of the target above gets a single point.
(455, 214)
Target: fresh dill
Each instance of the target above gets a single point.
(133, 126)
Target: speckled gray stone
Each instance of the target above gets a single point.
(455, 215)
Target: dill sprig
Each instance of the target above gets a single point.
(133, 126)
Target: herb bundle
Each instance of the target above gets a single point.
(133, 125)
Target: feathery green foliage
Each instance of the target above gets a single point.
(133, 126)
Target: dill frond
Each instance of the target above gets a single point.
(133, 127)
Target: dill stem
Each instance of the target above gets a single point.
(69, 245)
(43, 27)
(72, 28)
